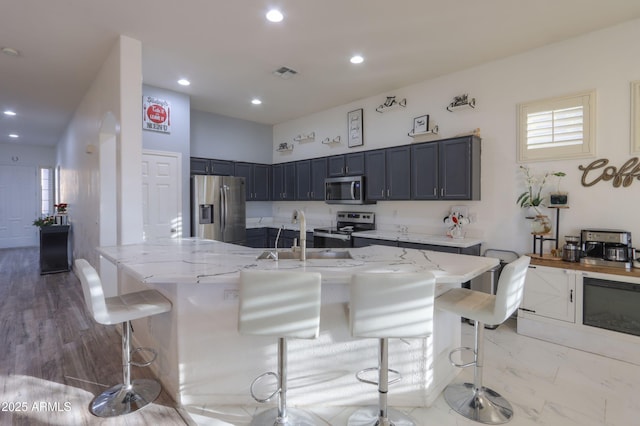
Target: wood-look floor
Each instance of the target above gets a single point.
(53, 357)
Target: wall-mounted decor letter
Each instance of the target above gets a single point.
(629, 171)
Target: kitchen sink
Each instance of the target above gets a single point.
(289, 255)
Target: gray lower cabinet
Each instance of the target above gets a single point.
(364, 242)
(286, 238)
(257, 237)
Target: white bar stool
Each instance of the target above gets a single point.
(383, 306)
(282, 304)
(131, 395)
(473, 400)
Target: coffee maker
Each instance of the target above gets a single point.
(606, 247)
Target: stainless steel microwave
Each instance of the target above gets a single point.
(344, 190)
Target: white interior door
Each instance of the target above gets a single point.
(18, 206)
(161, 192)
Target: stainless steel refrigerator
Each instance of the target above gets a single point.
(218, 210)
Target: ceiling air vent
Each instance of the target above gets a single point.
(285, 72)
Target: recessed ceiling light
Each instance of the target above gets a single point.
(274, 15)
(184, 82)
(13, 135)
(357, 59)
(10, 51)
(10, 113)
(256, 101)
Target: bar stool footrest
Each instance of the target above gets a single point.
(257, 380)
(144, 364)
(371, 382)
(460, 349)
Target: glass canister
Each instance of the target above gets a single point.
(571, 249)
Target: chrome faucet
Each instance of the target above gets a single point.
(298, 215)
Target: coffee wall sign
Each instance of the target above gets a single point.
(600, 171)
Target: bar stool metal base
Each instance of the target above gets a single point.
(369, 416)
(295, 417)
(120, 400)
(485, 406)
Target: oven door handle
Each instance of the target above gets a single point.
(334, 236)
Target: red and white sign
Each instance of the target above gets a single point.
(156, 114)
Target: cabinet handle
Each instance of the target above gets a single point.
(382, 192)
(435, 191)
(388, 192)
(346, 169)
(442, 192)
(311, 194)
(308, 194)
(571, 296)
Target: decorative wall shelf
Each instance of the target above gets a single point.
(329, 141)
(285, 147)
(391, 103)
(305, 137)
(434, 131)
(461, 102)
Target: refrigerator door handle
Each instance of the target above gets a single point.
(222, 210)
(224, 191)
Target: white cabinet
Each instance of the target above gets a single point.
(550, 293)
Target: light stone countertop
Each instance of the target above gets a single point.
(192, 260)
(412, 237)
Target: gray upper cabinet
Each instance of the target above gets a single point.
(375, 178)
(222, 168)
(310, 176)
(388, 174)
(346, 165)
(318, 175)
(460, 168)
(303, 180)
(446, 170)
(200, 166)
(206, 166)
(257, 180)
(424, 171)
(284, 181)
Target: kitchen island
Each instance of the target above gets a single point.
(204, 361)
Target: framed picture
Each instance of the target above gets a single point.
(354, 124)
(635, 117)
(421, 124)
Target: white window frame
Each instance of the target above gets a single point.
(583, 149)
(46, 192)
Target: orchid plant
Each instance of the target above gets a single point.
(533, 197)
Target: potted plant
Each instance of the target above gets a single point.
(533, 198)
(44, 221)
(558, 198)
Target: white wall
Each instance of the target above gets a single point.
(606, 60)
(116, 90)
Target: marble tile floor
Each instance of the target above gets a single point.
(547, 384)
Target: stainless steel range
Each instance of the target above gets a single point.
(346, 224)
